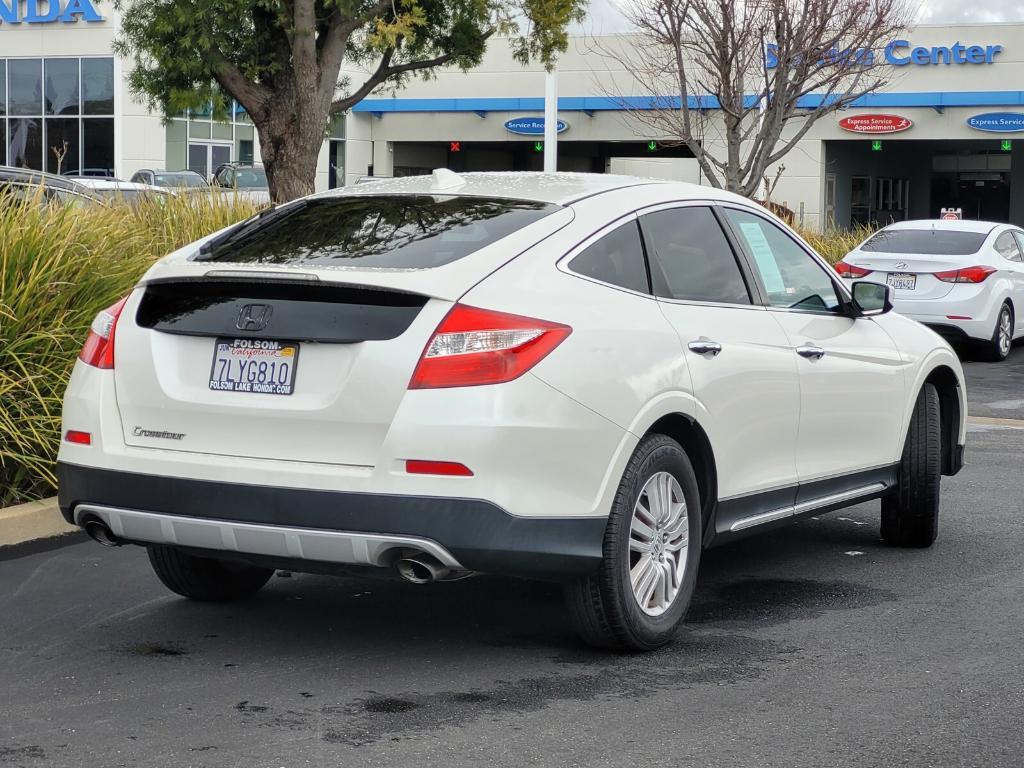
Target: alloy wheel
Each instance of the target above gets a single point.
(658, 540)
(1005, 331)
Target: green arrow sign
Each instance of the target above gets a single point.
(876, 145)
(538, 146)
(1006, 145)
(652, 146)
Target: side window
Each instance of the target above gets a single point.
(691, 259)
(791, 277)
(1007, 246)
(617, 258)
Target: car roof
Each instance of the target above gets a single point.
(96, 183)
(959, 225)
(8, 173)
(557, 188)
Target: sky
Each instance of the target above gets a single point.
(604, 16)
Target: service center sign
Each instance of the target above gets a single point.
(997, 122)
(875, 124)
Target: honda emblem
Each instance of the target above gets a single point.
(254, 317)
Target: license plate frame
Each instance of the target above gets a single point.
(901, 281)
(277, 355)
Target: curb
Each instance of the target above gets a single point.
(31, 521)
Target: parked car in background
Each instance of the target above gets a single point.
(579, 377)
(114, 190)
(190, 181)
(244, 179)
(963, 279)
(21, 183)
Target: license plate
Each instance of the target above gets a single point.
(259, 366)
(901, 281)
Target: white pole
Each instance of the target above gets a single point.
(551, 122)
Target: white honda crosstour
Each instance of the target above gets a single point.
(585, 378)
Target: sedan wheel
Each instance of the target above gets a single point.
(1002, 337)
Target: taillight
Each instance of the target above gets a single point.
(851, 270)
(98, 350)
(79, 437)
(475, 346)
(966, 275)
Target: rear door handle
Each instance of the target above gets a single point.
(810, 351)
(704, 347)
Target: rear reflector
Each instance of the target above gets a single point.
(452, 468)
(850, 270)
(98, 350)
(475, 346)
(966, 275)
(957, 317)
(81, 438)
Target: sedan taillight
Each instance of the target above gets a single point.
(851, 271)
(98, 350)
(966, 275)
(475, 346)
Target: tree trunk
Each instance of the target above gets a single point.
(290, 140)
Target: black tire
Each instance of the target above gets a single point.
(993, 349)
(602, 606)
(206, 579)
(910, 516)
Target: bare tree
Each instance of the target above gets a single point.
(740, 83)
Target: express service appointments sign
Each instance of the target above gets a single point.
(874, 124)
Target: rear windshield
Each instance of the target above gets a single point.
(179, 180)
(251, 178)
(390, 232)
(936, 242)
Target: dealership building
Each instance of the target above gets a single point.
(946, 132)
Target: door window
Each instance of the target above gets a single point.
(791, 277)
(616, 259)
(691, 259)
(1007, 246)
(1019, 237)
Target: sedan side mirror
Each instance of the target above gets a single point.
(872, 298)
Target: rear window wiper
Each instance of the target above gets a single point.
(246, 229)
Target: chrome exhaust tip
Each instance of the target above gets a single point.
(100, 532)
(422, 569)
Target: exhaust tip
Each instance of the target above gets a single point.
(100, 532)
(414, 571)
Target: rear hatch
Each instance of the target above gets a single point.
(297, 341)
(907, 259)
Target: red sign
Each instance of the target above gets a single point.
(875, 123)
(951, 214)
(454, 146)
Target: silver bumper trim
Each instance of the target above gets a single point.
(342, 547)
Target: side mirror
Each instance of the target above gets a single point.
(872, 298)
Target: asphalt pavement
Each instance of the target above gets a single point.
(813, 646)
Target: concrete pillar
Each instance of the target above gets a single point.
(383, 159)
(1017, 183)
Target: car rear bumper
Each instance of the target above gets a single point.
(343, 528)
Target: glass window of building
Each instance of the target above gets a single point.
(56, 114)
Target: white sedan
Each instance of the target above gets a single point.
(586, 378)
(963, 279)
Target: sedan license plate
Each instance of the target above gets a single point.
(901, 281)
(260, 366)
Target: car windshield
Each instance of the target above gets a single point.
(179, 180)
(935, 242)
(393, 231)
(251, 178)
(129, 195)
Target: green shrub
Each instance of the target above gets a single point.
(58, 268)
(835, 244)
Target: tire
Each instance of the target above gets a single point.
(206, 579)
(910, 516)
(603, 607)
(998, 347)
